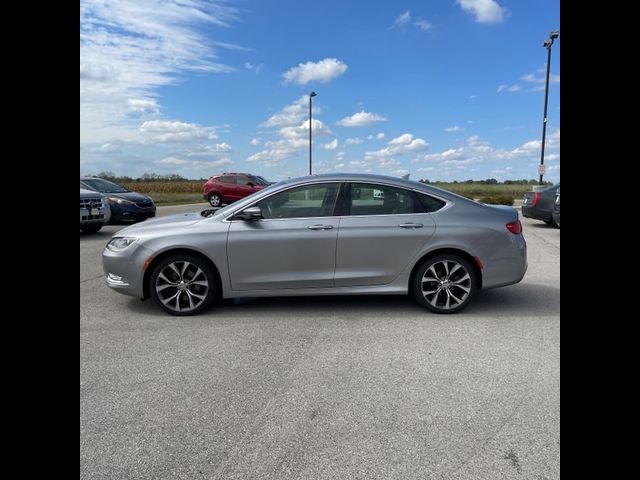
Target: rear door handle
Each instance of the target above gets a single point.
(320, 227)
(410, 225)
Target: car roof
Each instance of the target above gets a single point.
(373, 178)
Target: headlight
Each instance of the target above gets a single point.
(120, 201)
(118, 244)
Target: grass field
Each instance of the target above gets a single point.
(190, 191)
(477, 190)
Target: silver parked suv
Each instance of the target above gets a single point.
(92, 211)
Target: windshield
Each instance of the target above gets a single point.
(104, 186)
(247, 199)
(258, 180)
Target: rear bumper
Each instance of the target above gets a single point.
(509, 266)
(535, 213)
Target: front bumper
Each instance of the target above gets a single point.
(125, 212)
(124, 270)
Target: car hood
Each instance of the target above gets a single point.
(131, 196)
(178, 221)
(88, 193)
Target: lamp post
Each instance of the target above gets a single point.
(547, 44)
(311, 95)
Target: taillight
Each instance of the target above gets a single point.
(536, 197)
(514, 227)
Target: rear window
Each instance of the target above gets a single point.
(429, 203)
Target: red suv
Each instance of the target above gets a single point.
(229, 187)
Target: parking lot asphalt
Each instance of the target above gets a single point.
(322, 387)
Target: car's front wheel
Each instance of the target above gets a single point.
(444, 283)
(215, 200)
(183, 284)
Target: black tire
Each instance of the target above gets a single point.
(189, 296)
(215, 200)
(459, 288)
(91, 228)
(549, 222)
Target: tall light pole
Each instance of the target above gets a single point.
(547, 44)
(311, 95)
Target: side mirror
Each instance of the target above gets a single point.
(251, 213)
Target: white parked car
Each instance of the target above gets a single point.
(93, 211)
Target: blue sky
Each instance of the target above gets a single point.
(441, 89)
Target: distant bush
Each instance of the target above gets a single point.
(497, 199)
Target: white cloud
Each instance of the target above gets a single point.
(454, 128)
(353, 141)
(477, 151)
(397, 146)
(217, 150)
(406, 142)
(331, 145)
(255, 68)
(130, 49)
(143, 105)
(293, 139)
(182, 162)
(539, 82)
(255, 142)
(401, 20)
(361, 119)
(175, 131)
(323, 71)
(380, 136)
(508, 88)
(484, 11)
(423, 25)
(291, 114)
(232, 46)
(506, 172)
(531, 78)
(472, 97)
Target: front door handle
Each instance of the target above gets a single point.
(410, 225)
(320, 227)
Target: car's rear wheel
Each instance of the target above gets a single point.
(215, 200)
(444, 283)
(183, 284)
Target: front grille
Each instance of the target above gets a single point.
(95, 202)
(145, 204)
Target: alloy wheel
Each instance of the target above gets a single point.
(182, 286)
(446, 284)
(215, 200)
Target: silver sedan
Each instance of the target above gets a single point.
(338, 234)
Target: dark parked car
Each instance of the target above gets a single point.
(125, 205)
(556, 211)
(92, 211)
(539, 205)
(229, 187)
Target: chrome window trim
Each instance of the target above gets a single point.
(448, 203)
